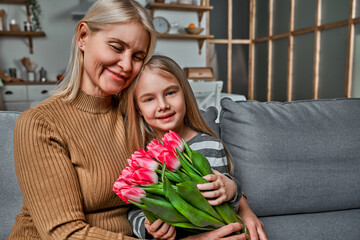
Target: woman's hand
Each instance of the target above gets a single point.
(219, 189)
(160, 230)
(251, 221)
(221, 233)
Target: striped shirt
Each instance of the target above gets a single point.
(214, 151)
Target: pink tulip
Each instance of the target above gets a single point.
(173, 140)
(127, 192)
(139, 176)
(142, 159)
(154, 149)
(163, 154)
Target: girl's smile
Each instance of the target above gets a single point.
(166, 117)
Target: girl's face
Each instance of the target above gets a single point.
(161, 101)
(113, 57)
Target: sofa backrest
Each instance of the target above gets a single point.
(10, 196)
(295, 157)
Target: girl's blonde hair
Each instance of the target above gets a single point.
(99, 16)
(138, 132)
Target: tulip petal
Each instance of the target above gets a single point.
(194, 215)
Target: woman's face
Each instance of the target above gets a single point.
(113, 57)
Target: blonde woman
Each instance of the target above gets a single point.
(159, 100)
(70, 149)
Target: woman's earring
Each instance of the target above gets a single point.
(81, 45)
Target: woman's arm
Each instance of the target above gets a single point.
(221, 234)
(49, 183)
(251, 221)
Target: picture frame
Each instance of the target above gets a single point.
(199, 73)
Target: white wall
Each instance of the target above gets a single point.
(52, 52)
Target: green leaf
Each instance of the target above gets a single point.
(201, 163)
(185, 164)
(191, 194)
(194, 215)
(183, 176)
(163, 209)
(187, 149)
(170, 175)
(196, 178)
(227, 212)
(150, 216)
(151, 185)
(158, 191)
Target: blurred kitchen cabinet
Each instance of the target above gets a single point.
(20, 96)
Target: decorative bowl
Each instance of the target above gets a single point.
(194, 30)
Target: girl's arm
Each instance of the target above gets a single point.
(219, 189)
(136, 218)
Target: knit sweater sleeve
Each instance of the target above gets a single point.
(49, 182)
(136, 218)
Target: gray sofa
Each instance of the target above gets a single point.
(298, 163)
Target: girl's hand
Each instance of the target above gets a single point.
(160, 230)
(219, 189)
(221, 233)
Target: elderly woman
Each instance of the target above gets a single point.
(70, 149)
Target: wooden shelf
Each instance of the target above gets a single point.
(180, 7)
(31, 83)
(200, 38)
(29, 34)
(186, 36)
(13, 1)
(22, 34)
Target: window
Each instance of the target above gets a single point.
(284, 50)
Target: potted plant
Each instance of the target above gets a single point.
(35, 12)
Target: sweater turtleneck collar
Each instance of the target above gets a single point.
(93, 104)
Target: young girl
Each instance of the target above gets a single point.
(160, 100)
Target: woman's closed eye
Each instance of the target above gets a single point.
(118, 49)
(139, 57)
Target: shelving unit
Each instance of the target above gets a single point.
(27, 34)
(183, 7)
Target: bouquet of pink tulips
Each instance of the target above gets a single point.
(163, 183)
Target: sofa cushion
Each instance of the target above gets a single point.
(11, 198)
(327, 225)
(210, 116)
(301, 156)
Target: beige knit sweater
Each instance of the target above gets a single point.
(67, 158)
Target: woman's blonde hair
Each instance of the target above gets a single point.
(100, 15)
(138, 132)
